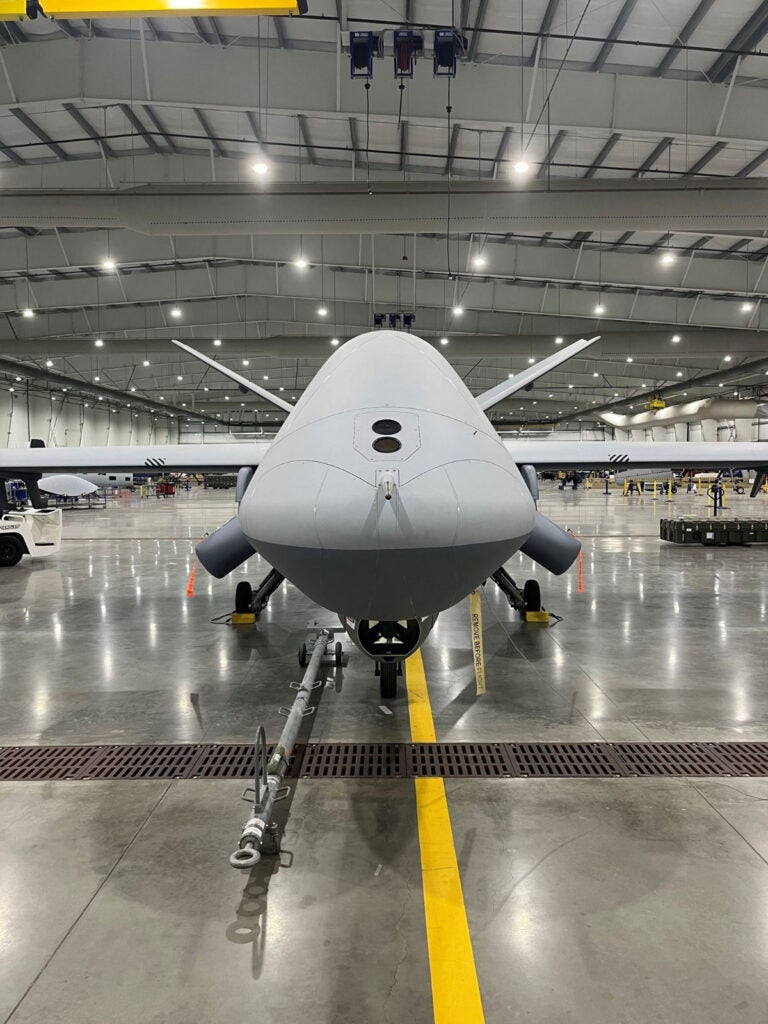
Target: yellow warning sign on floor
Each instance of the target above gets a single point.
(12, 10)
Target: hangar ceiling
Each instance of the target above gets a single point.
(640, 216)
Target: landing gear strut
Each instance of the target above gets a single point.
(255, 601)
(526, 600)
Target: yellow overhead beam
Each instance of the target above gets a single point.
(14, 10)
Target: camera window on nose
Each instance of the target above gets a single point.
(386, 427)
(386, 445)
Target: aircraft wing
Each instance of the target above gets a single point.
(639, 454)
(134, 458)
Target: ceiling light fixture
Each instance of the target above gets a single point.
(300, 262)
(521, 166)
(747, 307)
(217, 342)
(99, 343)
(27, 312)
(145, 363)
(457, 310)
(260, 167)
(443, 341)
(479, 261)
(176, 312)
(322, 311)
(675, 338)
(334, 342)
(668, 257)
(558, 341)
(108, 265)
(599, 309)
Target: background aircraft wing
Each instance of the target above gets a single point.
(241, 381)
(135, 458)
(639, 454)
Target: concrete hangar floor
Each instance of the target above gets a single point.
(604, 899)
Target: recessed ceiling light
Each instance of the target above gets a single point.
(108, 265)
(27, 312)
(479, 261)
(457, 310)
(49, 362)
(217, 342)
(558, 341)
(179, 377)
(570, 386)
(675, 338)
(443, 341)
(521, 166)
(300, 262)
(727, 359)
(261, 167)
(334, 342)
(721, 385)
(599, 309)
(595, 374)
(629, 359)
(97, 379)
(531, 360)
(246, 362)
(226, 398)
(162, 398)
(747, 307)
(133, 389)
(322, 311)
(175, 312)
(668, 257)
(145, 363)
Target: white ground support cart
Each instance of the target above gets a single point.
(35, 532)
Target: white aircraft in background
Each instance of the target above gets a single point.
(387, 496)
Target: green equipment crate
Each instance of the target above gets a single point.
(720, 532)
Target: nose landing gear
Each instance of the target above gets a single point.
(388, 671)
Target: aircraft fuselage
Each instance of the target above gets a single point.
(387, 495)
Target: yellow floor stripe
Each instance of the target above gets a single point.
(455, 990)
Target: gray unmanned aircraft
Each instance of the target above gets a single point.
(386, 496)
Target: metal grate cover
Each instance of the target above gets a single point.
(563, 760)
(353, 761)
(389, 760)
(459, 760)
(27, 763)
(670, 758)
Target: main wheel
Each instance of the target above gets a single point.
(243, 596)
(338, 652)
(11, 550)
(532, 596)
(388, 679)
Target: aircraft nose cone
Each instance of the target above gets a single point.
(344, 544)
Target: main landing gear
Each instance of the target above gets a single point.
(250, 602)
(527, 602)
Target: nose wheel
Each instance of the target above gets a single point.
(387, 671)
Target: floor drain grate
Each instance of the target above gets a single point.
(28, 763)
(670, 758)
(156, 761)
(459, 760)
(563, 760)
(389, 761)
(743, 758)
(353, 761)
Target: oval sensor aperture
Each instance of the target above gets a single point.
(386, 427)
(386, 445)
